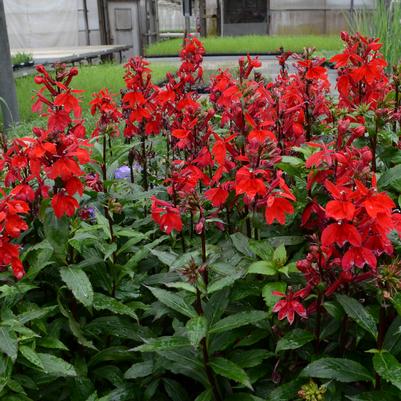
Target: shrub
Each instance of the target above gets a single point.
(237, 247)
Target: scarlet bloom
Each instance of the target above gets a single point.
(166, 215)
(277, 208)
(247, 183)
(64, 205)
(339, 209)
(217, 196)
(340, 234)
(288, 306)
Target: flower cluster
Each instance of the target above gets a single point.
(49, 164)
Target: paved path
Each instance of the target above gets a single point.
(270, 67)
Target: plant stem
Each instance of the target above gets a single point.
(205, 273)
(318, 321)
(145, 183)
(380, 337)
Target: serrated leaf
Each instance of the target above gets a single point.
(52, 342)
(262, 267)
(31, 356)
(163, 344)
(241, 244)
(340, 369)
(207, 395)
(388, 367)
(8, 342)
(55, 366)
(103, 302)
(287, 391)
(226, 368)
(280, 256)
(250, 358)
(173, 301)
(239, 319)
(373, 396)
(358, 313)
(78, 282)
(141, 369)
(390, 177)
(294, 339)
(196, 329)
(267, 292)
(224, 282)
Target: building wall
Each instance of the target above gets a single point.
(41, 23)
(93, 23)
(311, 16)
(296, 16)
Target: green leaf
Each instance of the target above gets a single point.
(267, 292)
(241, 244)
(216, 305)
(55, 366)
(207, 395)
(103, 223)
(280, 256)
(57, 232)
(78, 282)
(163, 344)
(52, 342)
(103, 302)
(287, 391)
(358, 313)
(262, 267)
(250, 358)
(262, 249)
(294, 339)
(373, 396)
(230, 370)
(196, 330)
(239, 319)
(224, 282)
(388, 367)
(340, 369)
(8, 342)
(141, 369)
(31, 356)
(173, 301)
(390, 178)
(396, 301)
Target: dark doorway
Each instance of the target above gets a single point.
(243, 17)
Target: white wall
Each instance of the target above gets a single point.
(42, 23)
(93, 22)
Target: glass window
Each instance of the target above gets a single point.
(242, 11)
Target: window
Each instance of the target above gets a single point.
(245, 11)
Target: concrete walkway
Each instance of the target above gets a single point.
(270, 66)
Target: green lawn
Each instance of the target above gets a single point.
(90, 79)
(250, 44)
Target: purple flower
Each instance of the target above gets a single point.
(122, 172)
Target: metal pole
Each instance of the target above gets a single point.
(88, 39)
(221, 17)
(202, 18)
(7, 83)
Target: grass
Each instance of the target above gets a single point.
(250, 44)
(90, 79)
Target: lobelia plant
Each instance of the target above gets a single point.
(257, 259)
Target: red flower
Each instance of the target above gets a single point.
(247, 183)
(166, 215)
(217, 196)
(277, 208)
(287, 307)
(64, 205)
(340, 233)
